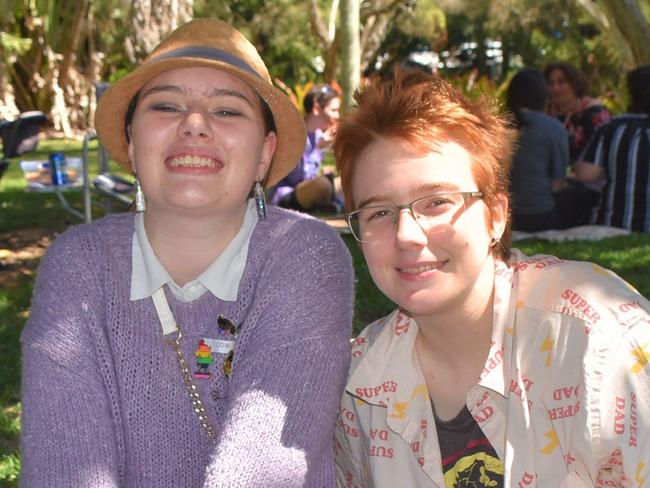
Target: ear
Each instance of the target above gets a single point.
(499, 215)
(268, 150)
(316, 109)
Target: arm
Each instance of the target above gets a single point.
(588, 172)
(590, 167)
(68, 435)
(347, 445)
(287, 384)
(559, 145)
(625, 422)
(313, 156)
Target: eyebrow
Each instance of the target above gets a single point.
(182, 90)
(425, 188)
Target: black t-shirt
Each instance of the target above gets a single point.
(468, 458)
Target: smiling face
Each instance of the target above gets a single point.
(198, 141)
(332, 111)
(432, 270)
(325, 117)
(561, 91)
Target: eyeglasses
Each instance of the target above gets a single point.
(377, 222)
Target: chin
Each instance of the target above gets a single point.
(422, 303)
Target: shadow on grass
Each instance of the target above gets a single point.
(14, 305)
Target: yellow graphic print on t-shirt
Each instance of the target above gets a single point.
(477, 470)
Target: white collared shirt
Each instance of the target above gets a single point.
(221, 278)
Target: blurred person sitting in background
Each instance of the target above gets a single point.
(305, 189)
(570, 102)
(541, 198)
(619, 153)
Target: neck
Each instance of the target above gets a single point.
(187, 244)
(568, 106)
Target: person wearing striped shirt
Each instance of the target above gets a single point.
(619, 154)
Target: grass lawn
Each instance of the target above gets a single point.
(28, 221)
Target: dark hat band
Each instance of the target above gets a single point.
(207, 53)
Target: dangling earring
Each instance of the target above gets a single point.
(260, 200)
(140, 205)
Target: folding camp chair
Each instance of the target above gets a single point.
(107, 188)
(20, 136)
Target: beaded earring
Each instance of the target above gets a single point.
(140, 205)
(260, 200)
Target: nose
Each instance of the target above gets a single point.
(408, 232)
(195, 125)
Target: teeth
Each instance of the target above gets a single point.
(418, 269)
(193, 162)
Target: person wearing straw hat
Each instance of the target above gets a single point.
(126, 308)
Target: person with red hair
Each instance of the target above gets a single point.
(496, 369)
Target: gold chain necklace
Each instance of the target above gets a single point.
(169, 327)
(192, 389)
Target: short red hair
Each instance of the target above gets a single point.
(426, 112)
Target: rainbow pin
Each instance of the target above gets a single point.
(203, 360)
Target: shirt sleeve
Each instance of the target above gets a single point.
(68, 435)
(559, 155)
(312, 158)
(594, 118)
(593, 153)
(624, 427)
(347, 445)
(279, 423)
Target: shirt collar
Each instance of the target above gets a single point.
(221, 278)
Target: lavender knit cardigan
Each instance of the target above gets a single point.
(104, 404)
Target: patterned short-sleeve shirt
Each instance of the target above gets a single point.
(564, 396)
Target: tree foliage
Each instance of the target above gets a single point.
(53, 52)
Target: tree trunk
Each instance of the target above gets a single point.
(632, 24)
(73, 23)
(350, 50)
(625, 21)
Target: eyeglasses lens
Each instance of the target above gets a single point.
(376, 223)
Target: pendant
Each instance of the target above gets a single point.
(203, 360)
(227, 364)
(226, 327)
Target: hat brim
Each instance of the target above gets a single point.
(289, 124)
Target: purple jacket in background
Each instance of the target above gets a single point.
(307, 168)
(104, 404)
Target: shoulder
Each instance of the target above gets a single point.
(544, 126)
(88, 240)
(622, 123)
(369, 337)
(628, 120)
(585, 290)
(540, 118)
(284, 228)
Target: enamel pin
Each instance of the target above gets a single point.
(203, 360)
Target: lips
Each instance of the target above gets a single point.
(421, 268)
(188, 161)
(422, 271)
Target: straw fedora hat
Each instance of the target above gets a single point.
(214, 44)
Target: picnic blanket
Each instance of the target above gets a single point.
(583, 232)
